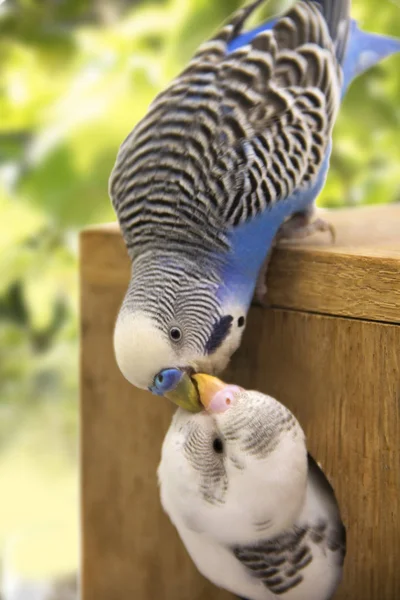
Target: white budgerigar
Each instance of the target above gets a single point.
(254, 510)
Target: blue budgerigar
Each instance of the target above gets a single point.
(234, 150)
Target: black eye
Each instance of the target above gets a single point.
(218, 446)
(160, 378)
(240, 321)
(175, 334)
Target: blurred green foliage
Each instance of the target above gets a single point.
(76, 75)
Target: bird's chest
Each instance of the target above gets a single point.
(251, 241)
(250, 244)
(219, 565)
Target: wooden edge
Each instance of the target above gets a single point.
(347, 285)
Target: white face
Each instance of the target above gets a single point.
(237, 475)
(142, 349)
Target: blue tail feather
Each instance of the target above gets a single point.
(364, 51)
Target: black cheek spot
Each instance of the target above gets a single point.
(241, 321)
(220, 331)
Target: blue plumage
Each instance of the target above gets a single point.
(364, 51)
(248, 36)
(252, 240)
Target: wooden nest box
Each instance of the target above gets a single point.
(329, 348)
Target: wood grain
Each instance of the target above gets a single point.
(340, 376)
(358, 276)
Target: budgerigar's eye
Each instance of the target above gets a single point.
(240, 321)
(218, 446)
(175, 334)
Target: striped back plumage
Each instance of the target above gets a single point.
(235, 133)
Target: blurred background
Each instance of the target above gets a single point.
(75, 76)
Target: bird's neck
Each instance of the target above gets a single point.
(200, 265)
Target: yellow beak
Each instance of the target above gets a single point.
(195, 393)
(208, 387)
(185, 395)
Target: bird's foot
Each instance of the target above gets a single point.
(260, 295)
(300, 226)
(260, 292)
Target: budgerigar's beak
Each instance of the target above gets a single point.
(185, 394)
(200, 391)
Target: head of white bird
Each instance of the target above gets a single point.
(163, 360)
(238, 469)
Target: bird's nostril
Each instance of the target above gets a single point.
(223, 399)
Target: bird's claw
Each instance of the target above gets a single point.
(300, 227)
(260, 292)
(260, 297)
